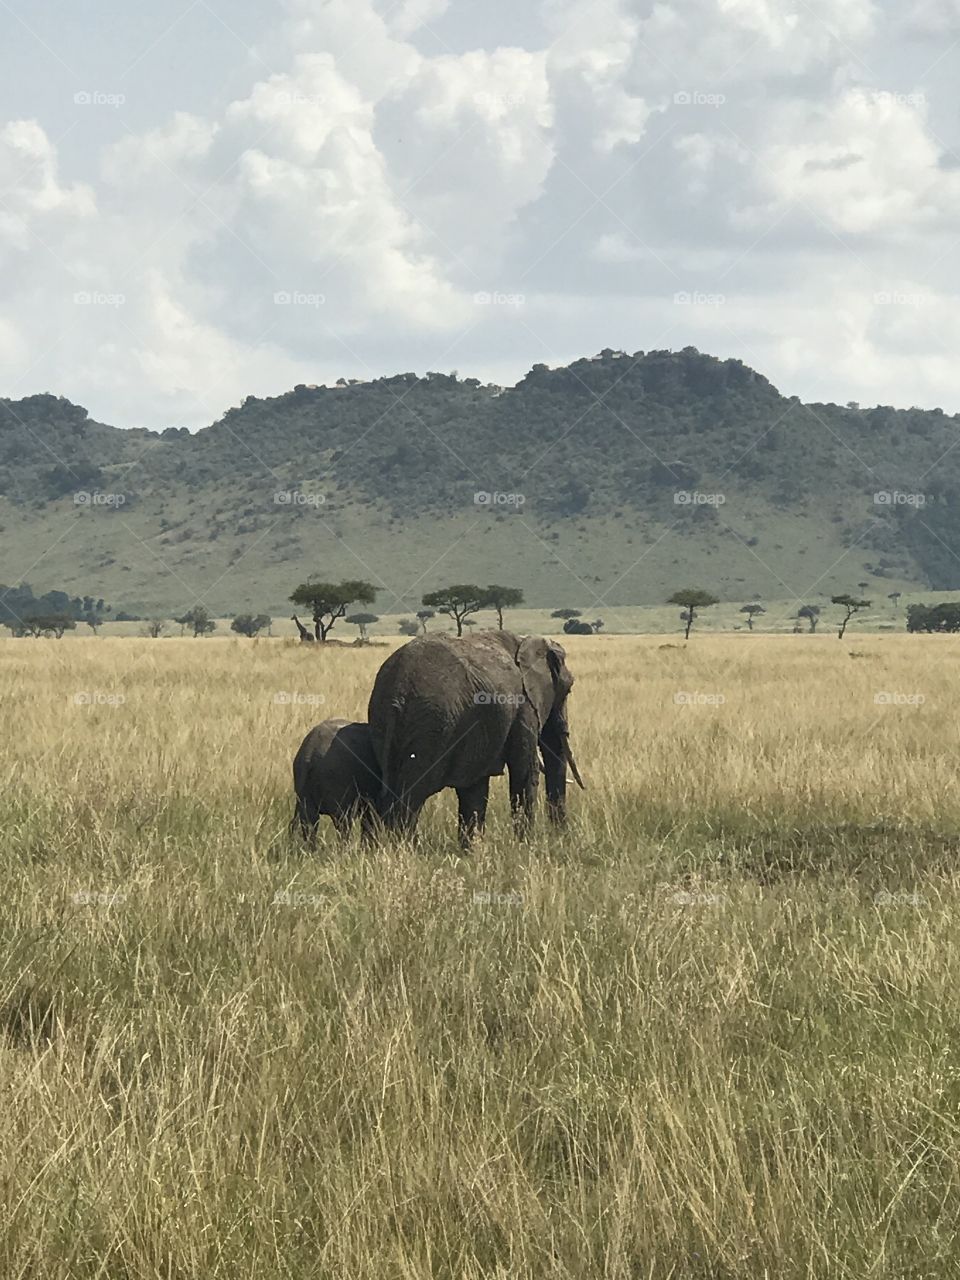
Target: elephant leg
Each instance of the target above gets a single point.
(523, 767)
(304, 821)
(399, 809)
(523, 799)
(472, 803)
(369, 822)
(342, 820)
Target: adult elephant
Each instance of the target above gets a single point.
(448, 712)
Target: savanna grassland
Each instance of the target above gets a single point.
(710, 1031)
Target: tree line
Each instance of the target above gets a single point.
(328, 602)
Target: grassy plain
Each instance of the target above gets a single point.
(710, 1031)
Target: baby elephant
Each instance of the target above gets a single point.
(336, 772)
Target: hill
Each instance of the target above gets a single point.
(621, 477)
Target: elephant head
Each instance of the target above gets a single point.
(547, 682)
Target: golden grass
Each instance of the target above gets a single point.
(709, 1031)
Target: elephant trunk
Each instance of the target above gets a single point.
(557, 757)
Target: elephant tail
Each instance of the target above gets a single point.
(391, 759)
(399, 792)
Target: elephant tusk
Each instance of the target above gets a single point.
(568, 756)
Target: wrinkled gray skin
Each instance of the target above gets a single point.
(336, 772)
(451, 712)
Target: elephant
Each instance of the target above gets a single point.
(335, 771)
(454, 712)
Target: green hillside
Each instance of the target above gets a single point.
(619, 478)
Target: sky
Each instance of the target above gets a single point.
(202, 200)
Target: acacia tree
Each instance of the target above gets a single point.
(154, 627)
(852, 605)
(751, 610)
(895, 597)
(566, 614)
(362, 621)
(49, 624)
(457, 602)
(423, 617)
(500, 598)
(690, 599)
(328, 601)
(812, 614)
(245, 624)
(198, 619)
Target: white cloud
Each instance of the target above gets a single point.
(600, 157)
(35, 204)
(863, 164)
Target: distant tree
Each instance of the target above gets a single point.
(246, 624)
(566, 613)
(863, 585)
(895, 597)
(597, 625)
(456, 602)
(362, 621)
(198, 620)
(423, 617)
(53, 624)
(936, 617)
(408, 627)
(751, 610)
(690, 600)
(329, 601)
(851, 605)
(500, 598)
(154, 628)
(812, 614)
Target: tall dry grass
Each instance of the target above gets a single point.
(709, 1031)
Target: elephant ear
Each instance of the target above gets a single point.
(540, 662)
